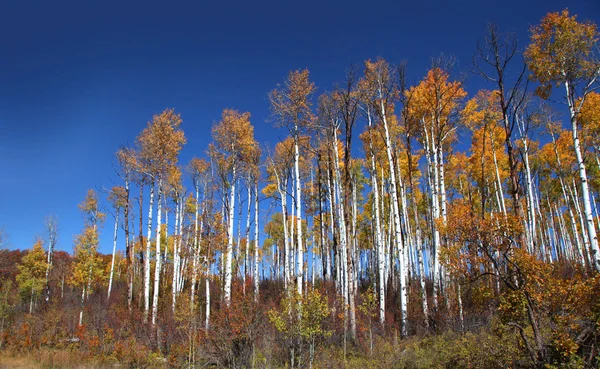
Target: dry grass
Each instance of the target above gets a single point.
(16, 363)
(46, 359)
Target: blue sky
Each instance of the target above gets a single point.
(78, 79)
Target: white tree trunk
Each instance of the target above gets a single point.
(196, 257)
(81, 308)
(176, 260)
(298, 183)
(395, 208)
(335, 269)
(498, 179)
(531, 224)
(442, 192)
(347, 283)
(568, 205)
(585, 192)
(378, 240)
(420, 256)
(403, 253)
(158, 254)
(112, 263)
(352, 266)
(52, 230)
(586, 242)
(293, 249)
(442, 182)
(247, 253)
(339, 206)
(256, 245)
(147, 258)
(432, 164)
(229, 256)
(286, 244)
(207, 315)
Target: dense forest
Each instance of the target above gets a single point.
(398, 225)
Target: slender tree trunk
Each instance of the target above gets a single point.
(81, 307)
(229, 257)
(293, 250)
(403, 253)
(298, 183)
(325, 257)
(196, 259)
(247, 253)
(207, 283)
(585, 192)
(165, 250)
(112, 263)
(432, 160)
(256, 245)
(568, 205)
(330, 199)
(460, 307)
(31, 302)
(530, 201)
(575, 199)
(176, 259)
(395, 207)
(498, 179)
(379, 246)
(444, 277)
(139, 265)
(286, 244)
(158, 255)
(378, 239)
(420, 256)
(352, 267)
(52, 228)
(343, 229)
(147, 258)
(128, 253)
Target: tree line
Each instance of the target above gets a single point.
(412, 238)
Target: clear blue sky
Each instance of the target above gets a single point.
(77, 80)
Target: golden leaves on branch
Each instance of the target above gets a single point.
(32, 271)
(160, 143)
(562, 49)
(291, 104)
(235, 145)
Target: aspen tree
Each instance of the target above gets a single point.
(493, 59)
(292, 108)
(126, 159)
(160, 143)
(87, 268)
(117, 198)
(436, 100)
(52, 228)
(254, 178)
(198, 169)
(370, 149)
(279, 166)
(174, 190)
(31, 273)
(564, 51)
(382, 94)
(234, 139)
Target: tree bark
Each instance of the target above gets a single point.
(112, 263)
(229, 253)
(298, 183)
(147, 258)
(158, 262)
(585, 192)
